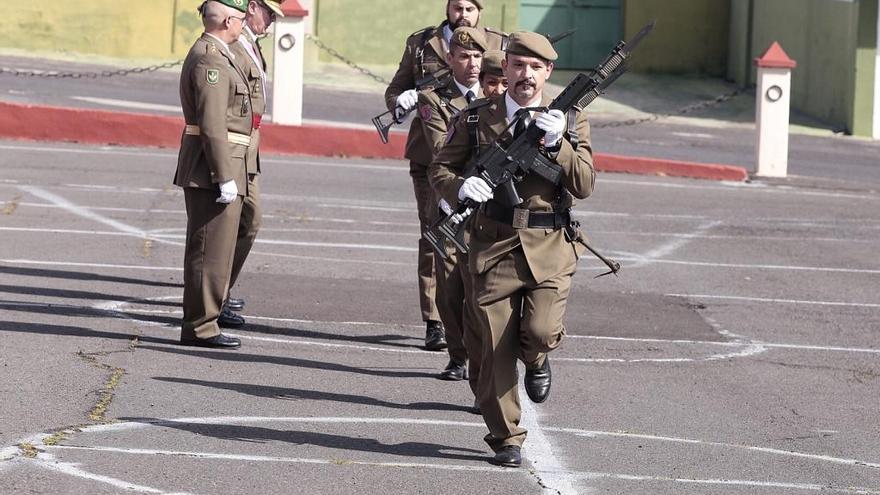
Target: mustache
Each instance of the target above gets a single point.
(525, 82)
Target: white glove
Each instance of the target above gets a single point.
(476, 189)
(228, 192)
(553, 123)
(445, 207)
(408, 99)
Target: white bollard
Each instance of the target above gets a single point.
(773, 102)
(287, 73)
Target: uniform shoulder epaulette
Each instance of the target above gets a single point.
(422, 31)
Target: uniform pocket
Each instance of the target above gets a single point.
(242, 100)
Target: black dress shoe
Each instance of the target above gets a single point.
(435, 336)
(454, 372)
(235, 304)
(508, 456)
(537, 382)
(218, 341)
(228, 319)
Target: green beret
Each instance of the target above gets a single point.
(239, 5)
(529, 44)
(469, 38)
(492, 62)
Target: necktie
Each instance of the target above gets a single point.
(522, 118)
(470, 97)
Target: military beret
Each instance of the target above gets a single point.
(478, 3)
(469, 38)
(529, 44)
(274, 6)
(239, 5)
(492, 62)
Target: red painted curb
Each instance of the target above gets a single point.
(44, 123)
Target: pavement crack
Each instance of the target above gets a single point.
(544, 486)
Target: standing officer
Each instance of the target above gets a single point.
(492, 80)
(522, 259)
(211, 168)
(424, 54)
(437, 108)
(259, 16)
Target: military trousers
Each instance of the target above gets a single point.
(524, 319)
(426, 202)
(455, 305)
(248, 226)
(211, 234)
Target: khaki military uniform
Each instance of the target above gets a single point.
(424, 54)
(216, 103)
(522, 277)
(254, 66)
(438, 109)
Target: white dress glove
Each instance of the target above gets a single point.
(445, 207)
(408, 99)
(476, 189)
(228, 192)
(553, 123)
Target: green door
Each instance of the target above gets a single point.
(598, 23)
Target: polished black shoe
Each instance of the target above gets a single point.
(537, 382)
(508, 456)
(228, 319)
(435, 336)
(218, 341)
(454, 372)
(235, 304)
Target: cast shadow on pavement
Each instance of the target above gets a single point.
(285, 393)
(70, 310)
(257, 434)
(73, 275)
(78, 294)
(385, 339)
(71, 331)
(240, 357)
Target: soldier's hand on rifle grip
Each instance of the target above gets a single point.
(476, 189)
(553, 124)
(408, 99)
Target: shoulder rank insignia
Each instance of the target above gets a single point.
(213, 76)
(425, 112)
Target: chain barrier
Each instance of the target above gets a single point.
(347, 61)
(681, 111)
(51, 74)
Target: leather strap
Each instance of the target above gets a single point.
(522, 218)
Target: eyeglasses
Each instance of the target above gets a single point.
(240, 19)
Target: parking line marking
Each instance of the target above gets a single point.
(777, 301)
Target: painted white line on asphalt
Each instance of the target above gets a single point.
(355, 166)
(64, 231)
(337, 346)
(777, 301)
(698, 135)
(49, 462)
(118, 209)
(748, 351)
(276, 242)
(547, 469)
(367, 208)
(799, 239)
(137, 105)
(731, 344)
(737, 187)
(638, 260)
(90, 265)
(101, 150)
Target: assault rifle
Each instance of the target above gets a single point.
(439, 78)
(502, 168)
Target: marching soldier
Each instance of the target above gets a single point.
(211, 168)
(260, 15)
(492, 80)
(522, 259)
(437, 108)
(424, 54)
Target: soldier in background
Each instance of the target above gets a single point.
(424, 54)
(522, 259)
(259, 16)
(437, 109)
(211, 169)
(492, 80)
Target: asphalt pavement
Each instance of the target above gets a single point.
(736, 353)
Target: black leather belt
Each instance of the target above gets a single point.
(521, 218)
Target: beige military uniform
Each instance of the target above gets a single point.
(250, 57)
(522, 277)
(438, 109)
(424, 54)
(216, 104)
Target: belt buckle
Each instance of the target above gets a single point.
(520, 218)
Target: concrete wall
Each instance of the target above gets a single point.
(374, 33)
(864, 107)
(691, 36)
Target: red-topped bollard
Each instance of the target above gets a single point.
(287, 73)
(773, 105)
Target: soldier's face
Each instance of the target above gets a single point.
(526, 76)
(234, 25)
(465, 65)
(260, 17)
(461, 13)
(493, 85)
